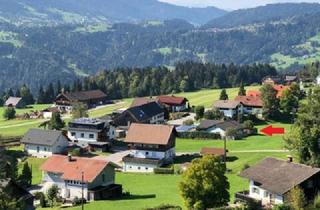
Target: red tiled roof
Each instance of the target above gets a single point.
(280, 89)
(72, 170)
(212, 151)
(149, 134)
(171, 100)
(250, 101)
(255, 93)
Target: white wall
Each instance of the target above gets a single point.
(85, 138)
(264, 195)
(167, 155)
(217, 131)
(47, 115)
(38, 150)
(112, 134)
(138, 167)
(158, 119)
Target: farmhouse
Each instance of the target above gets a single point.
(220, 127)
(151, 146)
(174, 103)
(219, 152)
(15, 102)
(44, 143)
(272, 80)
(272, 179)
(150, 113)
(89, 130)
(72, 174)
(251, 105)
(47, 113)
(229, 108)
(92, 98)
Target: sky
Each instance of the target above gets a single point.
(231, 4)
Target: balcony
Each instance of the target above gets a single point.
(244, 197)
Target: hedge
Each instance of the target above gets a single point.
(164, 170)
(199, 135)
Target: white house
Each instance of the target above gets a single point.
(88, 130)
(229, 108)
(47, 113)
(173, 103)
(44, 143)
(251, 105)
(70, 174)
(151, 146)
(271, 180)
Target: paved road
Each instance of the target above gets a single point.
(180, 121)
(116, 157)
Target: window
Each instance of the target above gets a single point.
(45, 149)
(38, 149)
(147, 153)
(73, 133)
(266, 194)
(139, 168)
(91, 136)
(256, 190)
(82, 135)
(147, 168)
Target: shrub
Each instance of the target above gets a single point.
(245, 166)
(188, 122)
(199, 135)
(248, 124)
(164, 170)
(199, 110)
(165, 207)
(9, 113)
(281, 207)
(76, 152)
(77, 201)
(177, 169)
(41, 197)
(316, 202)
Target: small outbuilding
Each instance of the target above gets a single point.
(15, 102)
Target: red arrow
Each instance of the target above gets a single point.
(269, 130)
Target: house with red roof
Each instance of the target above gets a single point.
(174, 103)
(72, 174)
(251, 105)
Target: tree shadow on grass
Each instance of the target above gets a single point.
(137, 197)
(232, 158)
(185, 158)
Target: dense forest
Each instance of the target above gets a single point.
(36, 56)
(134, 82)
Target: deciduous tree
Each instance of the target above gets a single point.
(204, 185)
(270, 102)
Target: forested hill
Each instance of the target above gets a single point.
(262, 14)
(37, 12)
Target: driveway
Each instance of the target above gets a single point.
(180, 121)
(116, 157)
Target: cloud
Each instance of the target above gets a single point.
(231, 4)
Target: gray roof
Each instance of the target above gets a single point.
(41, 137)
(13, 101)
(226, 104)
(279, 176)
(224, 125)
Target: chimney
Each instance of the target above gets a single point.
(69, 157)
(290, 158)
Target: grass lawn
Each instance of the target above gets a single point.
(258, 142)
(35, 164)
(207, 97)
(99, 112)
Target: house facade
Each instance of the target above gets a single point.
(174, 103)
(270, 183)
(220, 127)
(92, 98)
(71, 174)
(229, 108)
(44, 143)
(151, 146)
(149, 113)
(88, 130)
(251, 105)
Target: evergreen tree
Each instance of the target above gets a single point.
(25, 178)
(53, 194)
(41, 96)
(49, 94)
(56, 123)
(224, 95)
(9, 113)
(204, 184)
(270, 109)
(26, 95)
(17, 94)
(242, 91)
(199, 110)
(59, 87)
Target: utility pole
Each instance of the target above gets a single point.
(82, 183)
(225, 152)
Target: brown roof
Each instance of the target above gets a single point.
(171, 100)
(149, 134)
(250, 101)
(85, 95)
(141, 101)
(279, 176)
(212, 151)
(72, 170)
(227, 104)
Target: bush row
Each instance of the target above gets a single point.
(199, 135)
(164, 170)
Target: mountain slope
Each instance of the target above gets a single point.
(271, 12)
(101, 10)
